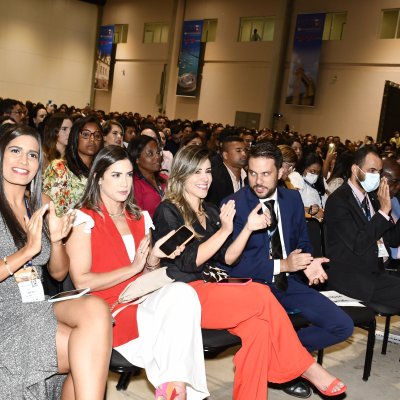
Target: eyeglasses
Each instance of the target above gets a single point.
(20, 112)
(152, 154)
(97, 135)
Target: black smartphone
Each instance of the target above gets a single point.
(180, 237)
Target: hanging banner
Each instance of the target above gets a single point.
(304, 65)
(189, 59)
(103, 62)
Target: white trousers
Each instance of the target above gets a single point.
(170, 346)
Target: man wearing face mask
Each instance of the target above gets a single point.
(359, 232)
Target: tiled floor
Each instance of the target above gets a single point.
(345, 360)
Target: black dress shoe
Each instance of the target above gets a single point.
(297, 388)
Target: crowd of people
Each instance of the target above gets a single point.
(94, 197)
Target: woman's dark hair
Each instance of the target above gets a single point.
(310, 159)
(108, 126)
(188, 138)
(91, 198)
(135, 149)
(35, 200)
(51, 130)
(74, 162)
(342, 168)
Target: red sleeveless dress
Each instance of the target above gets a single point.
(108, 254)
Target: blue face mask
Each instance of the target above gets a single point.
(370, 182)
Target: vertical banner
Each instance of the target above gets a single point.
(189, 59)
(304, 64)
(103, 62)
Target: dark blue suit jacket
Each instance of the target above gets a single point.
(254, 262)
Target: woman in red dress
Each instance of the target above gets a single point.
(109, 248)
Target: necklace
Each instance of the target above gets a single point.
(117, 215)
(200, 213)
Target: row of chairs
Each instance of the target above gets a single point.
(217, 341)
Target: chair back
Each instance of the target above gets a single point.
(314, 228)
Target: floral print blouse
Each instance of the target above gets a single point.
(63, 187)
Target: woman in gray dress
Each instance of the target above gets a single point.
(46, 351)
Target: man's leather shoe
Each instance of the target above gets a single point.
(297, 388)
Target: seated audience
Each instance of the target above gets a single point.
(360, 231)
(340, 172)
(290, 178)
(48, 350)
(313, 191)
(109, 250)
(270, 348)
(113, 133)
(148, 183)
(56, 134)
(229, 176)
(65, 179)
(191, 138)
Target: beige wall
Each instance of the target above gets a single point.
(138, 66)
(236, 76)
(352, 72)
(47, 50)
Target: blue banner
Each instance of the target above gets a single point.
(304, 65)
(189, 59)
(104, 52)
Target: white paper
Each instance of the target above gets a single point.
(341, 300)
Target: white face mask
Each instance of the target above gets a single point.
(311, 178)
(370, 182)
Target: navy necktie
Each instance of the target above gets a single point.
(365, 207)
(276, 246)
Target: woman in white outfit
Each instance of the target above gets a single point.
(110, 247)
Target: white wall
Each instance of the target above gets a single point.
(47, 50)
(352, 72)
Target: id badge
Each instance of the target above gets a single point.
(382, 252)
(29, 284)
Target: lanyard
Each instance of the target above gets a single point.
(360, 204)
(28, 213)
(157, 188)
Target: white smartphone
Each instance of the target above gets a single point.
(68, 295)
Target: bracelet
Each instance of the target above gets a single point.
(152, 267)
(7, 267)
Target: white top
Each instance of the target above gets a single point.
(237, 184)
(310, 196)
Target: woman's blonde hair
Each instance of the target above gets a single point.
(288, 154)
(185, 163)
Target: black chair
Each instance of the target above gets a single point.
(122, 366)
(363, 317)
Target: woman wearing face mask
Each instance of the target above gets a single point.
(313, 191)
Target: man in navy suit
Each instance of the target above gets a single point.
(328, 323)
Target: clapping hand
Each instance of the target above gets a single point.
(59, 227)
(141, 254)
(34, 227)
(226, 216)
(256, 221)
(384, 196)
(315, 272)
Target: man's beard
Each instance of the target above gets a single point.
(268, 194)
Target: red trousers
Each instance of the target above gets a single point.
(271, 350)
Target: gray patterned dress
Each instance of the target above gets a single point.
(28, 358)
